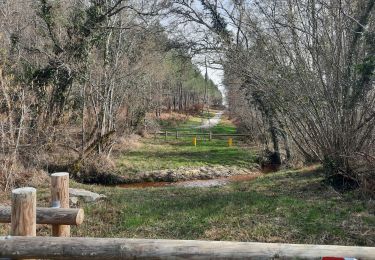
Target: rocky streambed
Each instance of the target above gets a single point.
(181, 174)
(190, 173)
(205, 176)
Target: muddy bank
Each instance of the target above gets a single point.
(168, 176)
(191, 173)
(192, 183)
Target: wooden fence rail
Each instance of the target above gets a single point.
(24, 215)
(51, 216)
(182, 133)
(119, 248)
(210, 135)
(23, 244)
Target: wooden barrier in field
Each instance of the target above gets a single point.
(23, 212)
(210, 135)
(51, 216)
(60, 199)
(119, 248)
(24, 215)
(23, 244)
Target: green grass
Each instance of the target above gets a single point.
(160, 154)
(190, 123)
(225, 126)
(292, 207)
(207, 114)
(286, 207)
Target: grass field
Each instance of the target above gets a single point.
(224, 126)
(192, 122)
(288, 206)
(160, 154)
(293, 207)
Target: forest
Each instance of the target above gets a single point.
(76, 76)
(299, 76)
(226, 120)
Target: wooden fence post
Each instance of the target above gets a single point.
(176, 134)
(210, 137)
(166, 135)
(60, 199)
(23, 216)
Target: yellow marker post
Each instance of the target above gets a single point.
(194, 141)
(230, 141)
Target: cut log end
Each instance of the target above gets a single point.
(60, 174)
(80, 217)
(25, 190)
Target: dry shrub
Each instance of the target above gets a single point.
(151, 126)
(14, 174)
(98, 169)
(364, 171)
(173, 119)
(197, 108)
(127, 143)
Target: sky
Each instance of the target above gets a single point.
(216, 76)
(195, 32)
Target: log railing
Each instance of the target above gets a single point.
(23, 244)
(119, 248)
(24, 215)
(51, 216)
(209, 135)
(178, 134)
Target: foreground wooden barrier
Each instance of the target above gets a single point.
(60, 199)
(51, 216)
(118, 248)
(23, 212)
(24, 215)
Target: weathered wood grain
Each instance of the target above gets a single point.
(60, 199)
(117, 248)
(23, 212)
(50, 216)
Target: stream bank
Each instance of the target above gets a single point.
(181, 174)
(194, 183)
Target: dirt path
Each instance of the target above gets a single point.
(209, 123)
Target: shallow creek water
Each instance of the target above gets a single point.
(193, 183)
